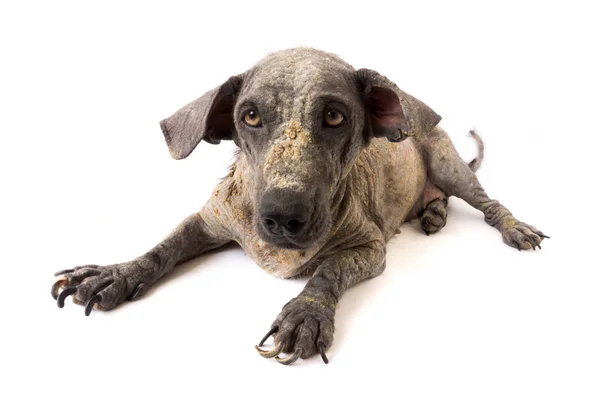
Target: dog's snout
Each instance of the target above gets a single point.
(284, 212)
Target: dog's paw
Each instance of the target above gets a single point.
(521, 235)
(104, 287)
(303, 328)
(433, 218)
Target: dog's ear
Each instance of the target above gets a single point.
(391, 112)
(208, 118)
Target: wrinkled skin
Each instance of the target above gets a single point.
(307, 195)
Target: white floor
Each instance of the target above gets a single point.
(458, 323)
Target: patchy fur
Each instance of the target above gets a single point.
(283, 164)
(303, 198)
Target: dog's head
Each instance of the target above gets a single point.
(301, 117)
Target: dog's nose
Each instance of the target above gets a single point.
(284, 211)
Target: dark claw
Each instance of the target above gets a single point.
(291, 358)
(322, 353)
(426, 233)
(264, 339)
(64, 294)
(544, 236)
(90, 304)
(57, 286)
(138, 291)
(64, 271)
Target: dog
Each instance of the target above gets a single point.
(331, 161)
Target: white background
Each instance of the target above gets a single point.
(458, 323)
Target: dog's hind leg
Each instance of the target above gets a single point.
(456, 178)
(435, 201)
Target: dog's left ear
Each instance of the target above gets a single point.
(391, 112)
(208, 118)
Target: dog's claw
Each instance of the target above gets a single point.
(137, 291)
(57, 286)
(544, 236)
(291, 358)
(90, 304)
(66, 271)
(264, 339)
(270, 353)
(102, 287)
(321, 348)
(64, 294)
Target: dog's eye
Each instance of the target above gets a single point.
(252, 118)
(333, 118)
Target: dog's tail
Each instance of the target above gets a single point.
(476, 162)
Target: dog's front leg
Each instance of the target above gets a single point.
(108, 286)
(305, 325)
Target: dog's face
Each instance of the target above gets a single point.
(299, 120)
(301, 117)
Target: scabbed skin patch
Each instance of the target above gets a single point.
(285, 166)
(304, 198)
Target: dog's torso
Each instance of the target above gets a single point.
(380, 192)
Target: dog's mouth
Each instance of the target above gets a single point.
(287, 241)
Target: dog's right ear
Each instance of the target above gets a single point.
(208, 118)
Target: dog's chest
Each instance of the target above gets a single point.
(283, 263)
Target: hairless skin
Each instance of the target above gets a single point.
(331, 162)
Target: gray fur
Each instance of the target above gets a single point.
(356, 187)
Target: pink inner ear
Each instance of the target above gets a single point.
(385, 107)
